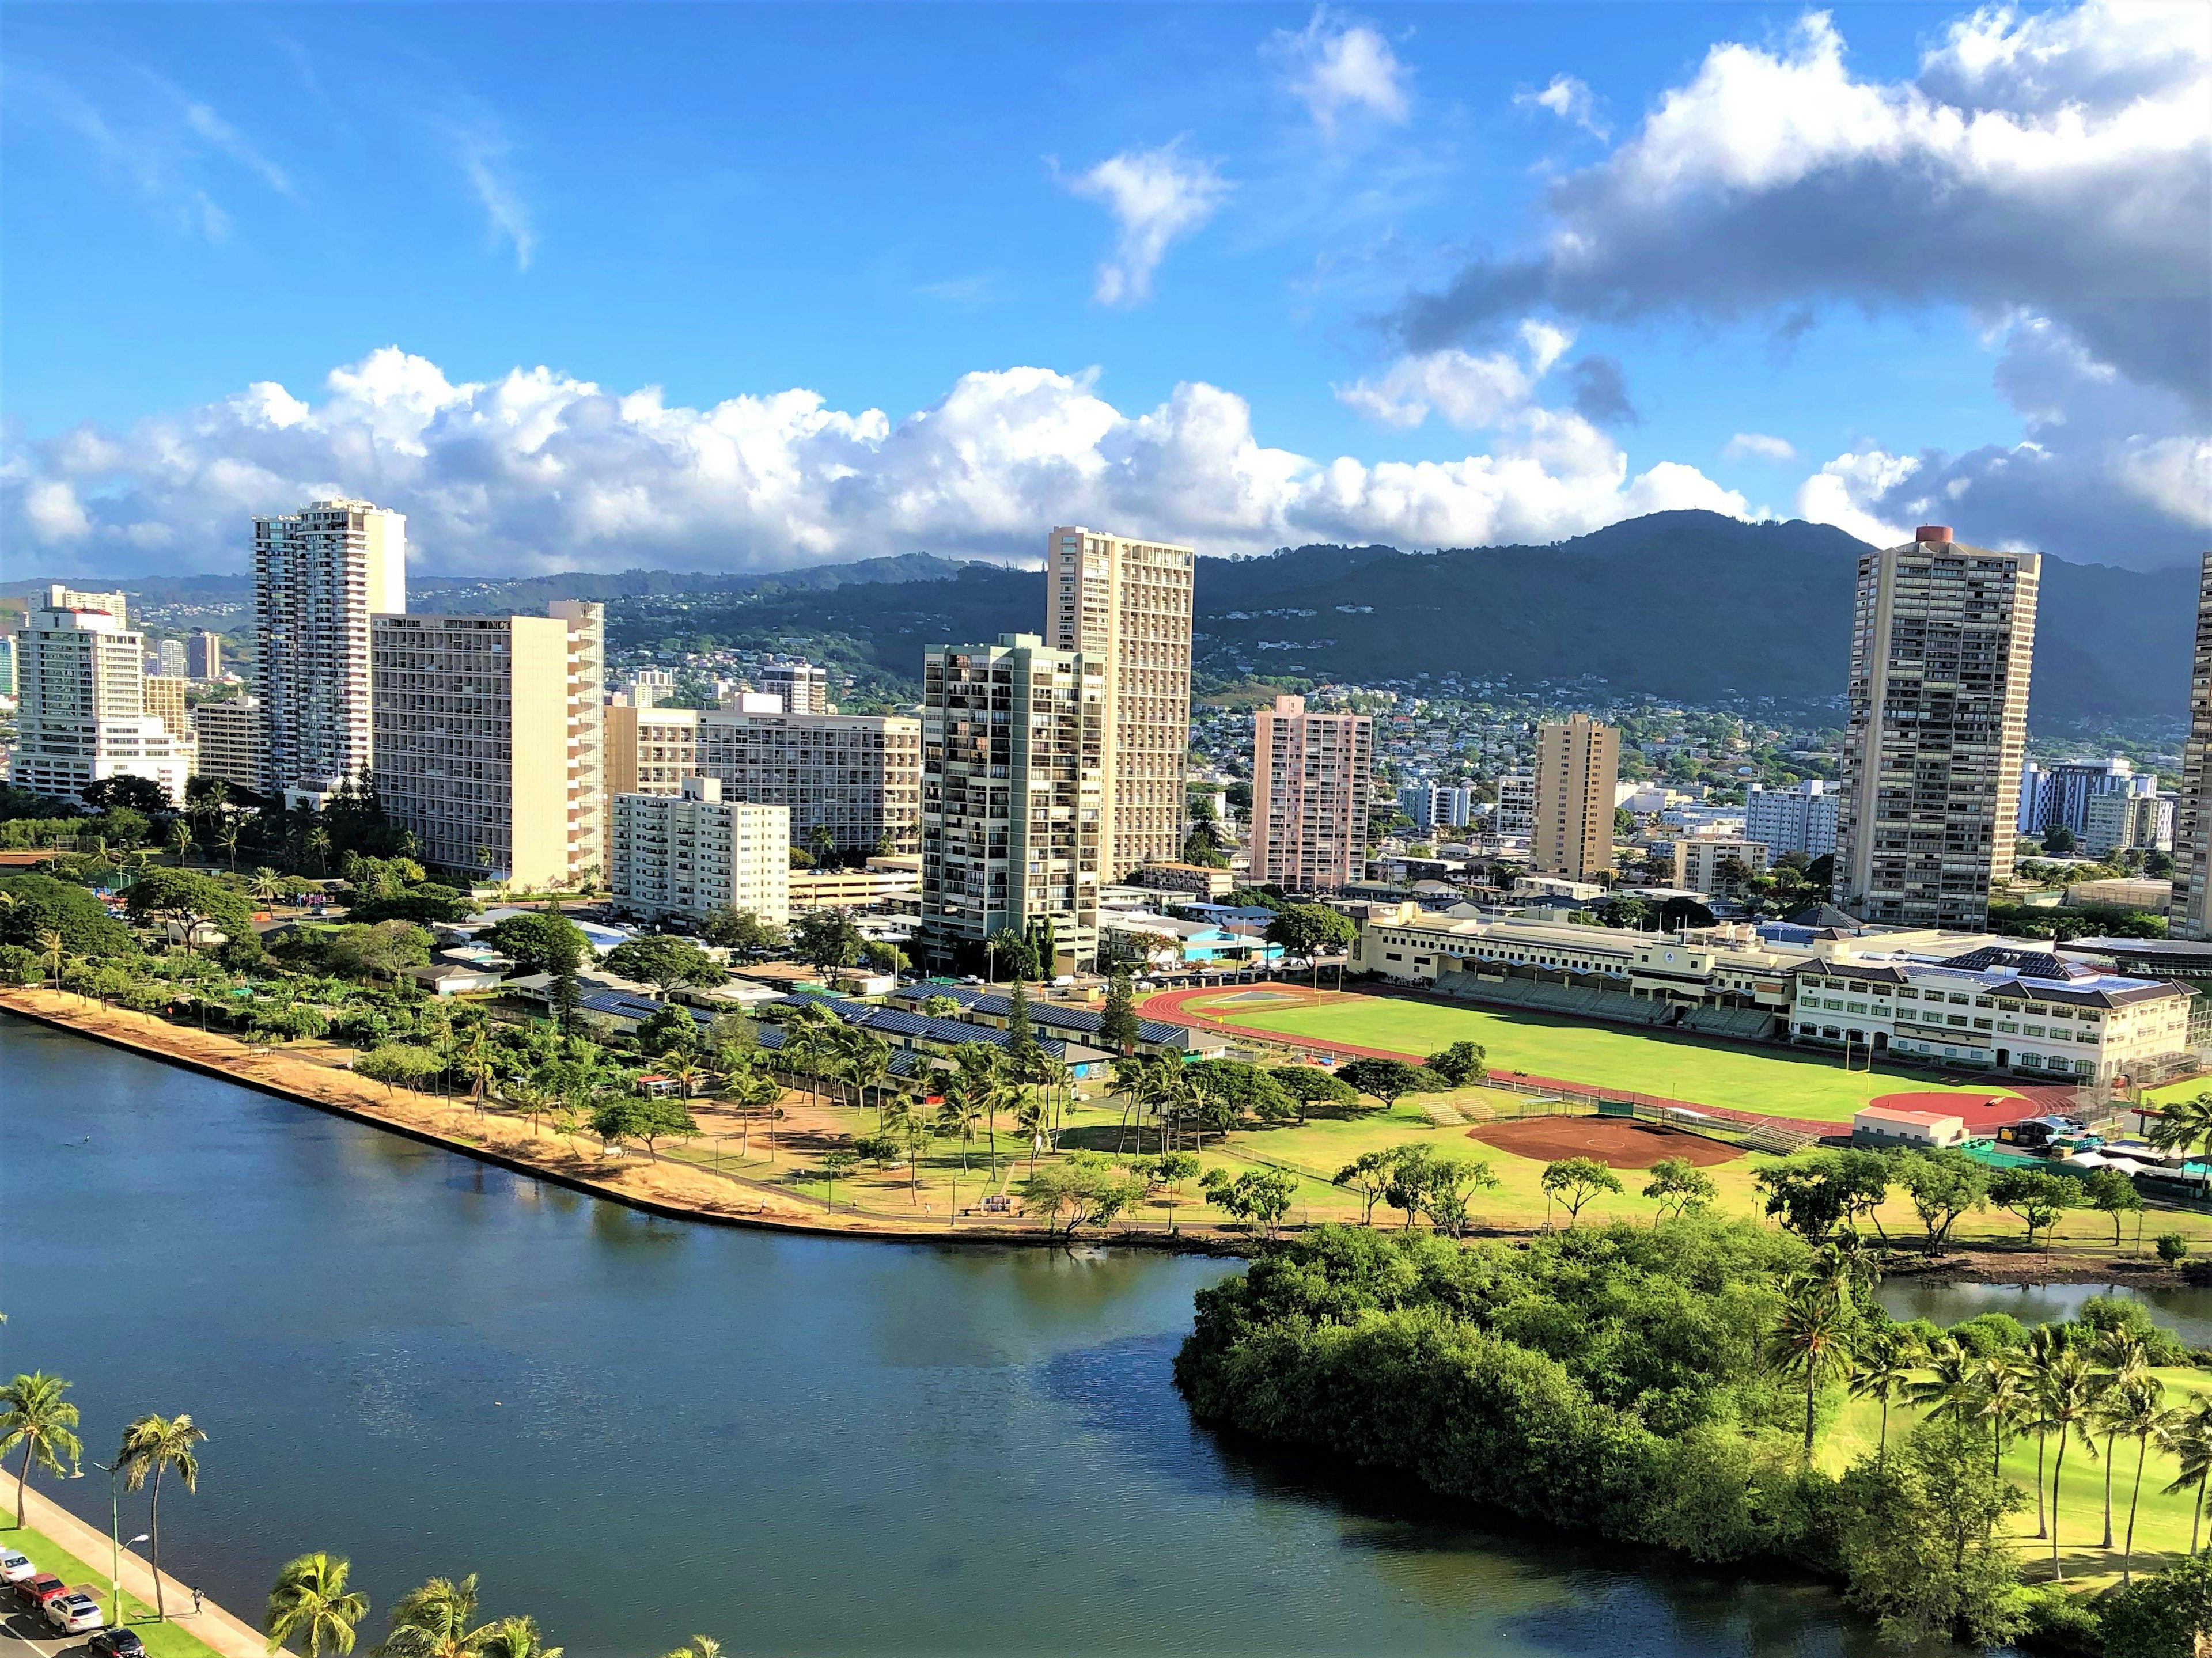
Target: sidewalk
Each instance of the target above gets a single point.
(211, 1626)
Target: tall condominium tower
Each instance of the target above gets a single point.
(1013, 737)
(1309, 783)
(1125, 605)
(1577, 763)
(203, 655)
(488, 742)
(802, 687)
(83, 717)
(2192, 915)
(318, 575)
(1942, 636)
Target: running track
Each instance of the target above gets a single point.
(1980, 1115)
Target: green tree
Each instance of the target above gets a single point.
(1882, 1368)
(664, 964)
(826, 939)
(35, 1414)
(1573, 1182)
(834, 1163)
(1943, 1185)
(1310, 1085)
(2165, 1616)
(541, 941)
(1677, 1184)
(2111, 1193)
(1082, 1189)
(1259, 1198)
(516, 1637)
(394, 1064)
(2183, 1124)
(1811, 1338)
(2065, 1402)
(1172, 1168)
(2136, 1408)
(2187, 1437)
(34, 904)
(312, 1598)
(384, 949)
(664, 1118)
(1920, 1544)
(1370, 1174)
(1449, 1182)
(1815, 1193)
(191, 900)
(2036, 1195)
(1309, 929)
(742, 933)
(151, 1446)
(437, 1621)
(1384, 1080)
(1460, 1064)
(1117, 1022)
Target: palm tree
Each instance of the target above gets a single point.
(434, 1622)
(180, 841)
(152, 1445)
(1811, 1337)
(1030, 1117)
(516, 1637)
(2065, 1398)
(2124, 1358)
(311, 1596)
(2183, 1124)
(227, 837)
(2134, 1407)
(53, 950)
(318, 843)
(2004, 1399)
(2044, 1343)
(2188, 1435)
(1882, 1368)
(34, 1414)
(956, 1115)
(699, 1646)
(265, 885)
(868, 1062)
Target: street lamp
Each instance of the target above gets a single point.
(114, 1533)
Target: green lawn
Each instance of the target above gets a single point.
(163, 1640)
(1775, 1081)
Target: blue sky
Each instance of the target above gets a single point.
(1343, 228)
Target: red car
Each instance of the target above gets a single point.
(36, 1592)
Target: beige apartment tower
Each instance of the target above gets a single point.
(488, 742)
(1125, 605)
(1310, 784)
(688, 855)
(1577, 763)
(2191, 916)
(164, 695)
(231, 742)
(1012, 787)
(318, 575)
(83, 718)
(1943, 639)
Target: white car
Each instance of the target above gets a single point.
(75, 1613)
(15, 1568)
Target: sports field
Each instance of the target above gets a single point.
(1772, 1081)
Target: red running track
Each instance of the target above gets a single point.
(1980, 1115)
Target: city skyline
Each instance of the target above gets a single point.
(1382, 274)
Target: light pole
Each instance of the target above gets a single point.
(114, 1534)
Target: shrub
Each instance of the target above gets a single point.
(2172, 1247)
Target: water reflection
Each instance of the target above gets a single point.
(2185, 1310)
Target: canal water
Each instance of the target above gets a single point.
(638, 1429)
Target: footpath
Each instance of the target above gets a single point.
(212, 1627)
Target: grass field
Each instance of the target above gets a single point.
(163, 1640)
(1775, 1082)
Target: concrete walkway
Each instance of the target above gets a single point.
(211, 1626)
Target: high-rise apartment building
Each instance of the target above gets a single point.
(2127, 823)
(1577, 763)
(1013, 737)
(232, 742)
(1310, 774)
(318, 575)
(168, 659)
(488, 742)
(802, 687)
(57, 597)
(1125, 605)
(2059, 796)
(686, 854)
(2191, 916)
(1516, 816)
(164, 698)
(7, 665)
(82, 718)
(1717, 864)
(203, 655)
(1435, 806)
(855, 778)
(1943, 639)
(1799, 818)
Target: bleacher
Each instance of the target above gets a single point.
(1569, 1002)
(1747, 1024)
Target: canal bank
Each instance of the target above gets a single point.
(637, 1429)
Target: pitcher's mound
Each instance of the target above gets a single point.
(1616, 1142)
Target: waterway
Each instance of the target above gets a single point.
(638, 1428)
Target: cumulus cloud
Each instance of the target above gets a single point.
(538, 471)
(2109, 472)
(1155, 196)
(1336, 67)
(1471, 392)
(2052, 163)
(1570, 99)
(1757, 445)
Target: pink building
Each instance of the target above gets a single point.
(1309, 782)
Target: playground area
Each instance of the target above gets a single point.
(1616, 1142)
(1525, 1048)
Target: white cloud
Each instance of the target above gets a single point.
(1757, 445)
(1155, 196)
(203, 121)
(538, 471)
(1570, 99)
(1337, 67)
(1843, 492)
(1471, 392)
(484, 151)
(2055, 162)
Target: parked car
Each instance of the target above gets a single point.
(76, 1612)
(117, 1643)
(32, 1591)
(15, 1568)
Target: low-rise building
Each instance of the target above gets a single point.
(1881, 1127)
(851, 889)
(2143, 893)
(1194, 878)
(686, 856)
(1716, 864)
